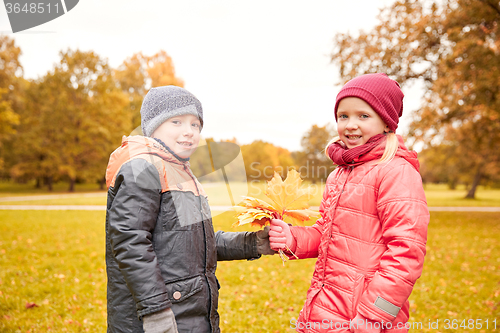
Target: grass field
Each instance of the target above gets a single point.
(55, 259)
(8, 188)
(438, 195)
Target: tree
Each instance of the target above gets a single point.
(432, 168)
(29, 160)
(312, 162)
(262, 159)
(453, 47)
(75, 117)
(8, 118)
(10, 83)
(138, 73)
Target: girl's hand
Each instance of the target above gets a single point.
(361, 324)
(280, 236)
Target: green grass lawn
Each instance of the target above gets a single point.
(438, 195)
(55, 259)
(101, 200)
(9, 188)
(461, 277)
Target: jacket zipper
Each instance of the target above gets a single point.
(325, 254)
(205, 247)
(330, 231)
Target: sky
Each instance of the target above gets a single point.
(261, 69)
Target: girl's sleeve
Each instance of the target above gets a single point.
(404, 216)
(308, 238)
(132, 218)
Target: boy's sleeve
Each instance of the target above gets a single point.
(132, 218)
(236, 245)
(404, 216)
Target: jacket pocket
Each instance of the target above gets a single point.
(359, 288)
(180, 290)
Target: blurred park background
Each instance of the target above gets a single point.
(58, 130)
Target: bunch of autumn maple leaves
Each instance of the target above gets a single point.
(289, 202)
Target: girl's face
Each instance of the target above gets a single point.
(181, 134)
(357, 122)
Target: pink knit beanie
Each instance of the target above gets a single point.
(383, 94)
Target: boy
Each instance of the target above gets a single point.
(161, 249)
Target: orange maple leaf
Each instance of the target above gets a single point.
(300, 216)
(289, 200)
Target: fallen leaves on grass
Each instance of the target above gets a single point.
(31, 305)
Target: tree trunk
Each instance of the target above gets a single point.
(475, 183)
(452, 184)
(48, 181)
(38, 182)
(71, 185)
(102, 183)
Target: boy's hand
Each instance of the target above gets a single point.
(263, 246)
(361, 324)
(160, 322)
(280, 236)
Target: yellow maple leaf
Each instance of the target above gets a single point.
(254, 202)
(290, 201)
(287, 195)
(254, 211)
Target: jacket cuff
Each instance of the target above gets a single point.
(301, 249)
(381, 310)
(384, 297)
(146, 307)
(251, 245)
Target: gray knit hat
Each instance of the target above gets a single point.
(162, 103)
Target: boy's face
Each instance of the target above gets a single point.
(181, 134)
(357, 122)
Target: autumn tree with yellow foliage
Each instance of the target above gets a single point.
(10, 92)
(311, 161)
(75, 116)
(453, 47)
(138, 73)
(262, 159)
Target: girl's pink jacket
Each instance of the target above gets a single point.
(370, 244)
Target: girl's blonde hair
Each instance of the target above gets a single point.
(391, 147)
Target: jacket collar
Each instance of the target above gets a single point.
(137, 144)
(133, 146)
(171, 151)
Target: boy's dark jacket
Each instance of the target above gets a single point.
(161, 249)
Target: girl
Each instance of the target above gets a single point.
(370, 239)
